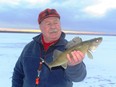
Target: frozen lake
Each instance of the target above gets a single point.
(101, 70)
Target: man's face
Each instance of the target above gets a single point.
(51, 29)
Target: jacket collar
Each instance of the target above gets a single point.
(61, 41)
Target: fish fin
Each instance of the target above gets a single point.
(64, 65)
(73, 42)
(56, 54)
(89, 54)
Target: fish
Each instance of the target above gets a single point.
(86, 47)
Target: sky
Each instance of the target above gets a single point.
(79, 15)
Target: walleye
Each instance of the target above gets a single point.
(60, 58)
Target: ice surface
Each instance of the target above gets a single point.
(101, 71)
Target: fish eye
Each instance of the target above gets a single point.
(97, 41)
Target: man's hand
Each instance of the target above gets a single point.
(77, 57)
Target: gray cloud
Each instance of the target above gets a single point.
(99, 24)
(18, 17)
(71, 18)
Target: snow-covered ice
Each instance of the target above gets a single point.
(101, 71)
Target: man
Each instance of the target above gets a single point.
(29, 65)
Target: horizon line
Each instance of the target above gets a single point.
(16, 30)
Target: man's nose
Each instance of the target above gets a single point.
(53, 26)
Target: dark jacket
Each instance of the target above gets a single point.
(25, 70)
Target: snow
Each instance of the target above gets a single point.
(101, 71)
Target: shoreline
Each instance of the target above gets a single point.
(32, 31)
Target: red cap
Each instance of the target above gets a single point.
(47, 13)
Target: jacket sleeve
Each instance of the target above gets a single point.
(18, 74)
(17, 78)
(76, 73)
